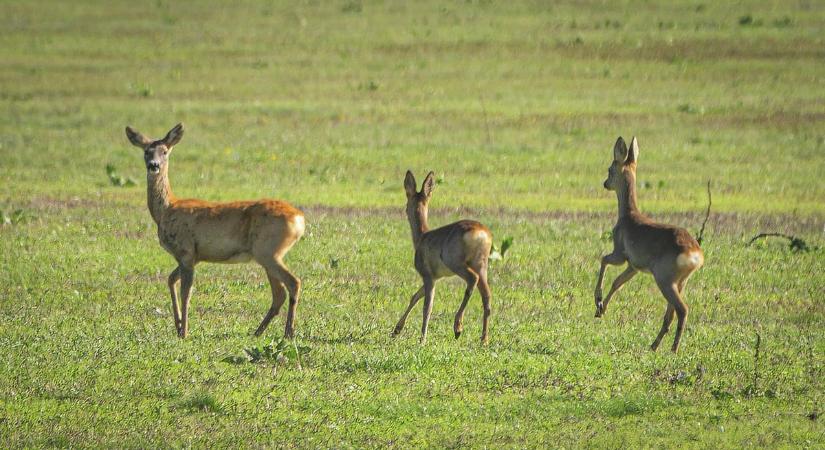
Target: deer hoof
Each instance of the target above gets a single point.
(457, 334)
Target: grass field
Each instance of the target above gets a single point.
(327, 104)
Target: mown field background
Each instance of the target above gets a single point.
(515, 106)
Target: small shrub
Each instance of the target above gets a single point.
(497, 253)
(282, 350)
(117, 180)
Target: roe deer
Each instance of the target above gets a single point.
(461, 248)
(670, 253)
(194, 230)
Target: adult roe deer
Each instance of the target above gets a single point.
(194, 230)
(670, 253)
(461, 248)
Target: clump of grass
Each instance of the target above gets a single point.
(753, 388)
(143, 90)
(783, 22)
(748, 21)
(626, 406)
(370, 85)
(203, 402)
(353, 7)
(13, 218)
(690, 109)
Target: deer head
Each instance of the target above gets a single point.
(155, 152)
(624, 160)
(417, 201)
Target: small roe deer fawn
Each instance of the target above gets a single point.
(670, 253)
(461, 248)
(194, 230)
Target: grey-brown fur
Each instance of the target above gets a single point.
(461, 248)
(669, 253)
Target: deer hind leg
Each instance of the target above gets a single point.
(278, 298)
(471, 278)
(277, 269)
(413, 301)
(620, 280)
(668, 319)
(187, 277)
(174, 277)
(429, 293)
(670, 290)
(486, 298)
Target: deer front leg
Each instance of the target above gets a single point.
(613, 259)
(174, 277)
(400, 325)
(187, 277)
(623, 278)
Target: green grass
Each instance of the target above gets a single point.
(515, 107)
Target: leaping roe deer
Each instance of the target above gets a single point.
(194, 230)
(670, 253)
(461, 248)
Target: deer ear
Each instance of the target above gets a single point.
(633, 154)
(137, 138)
(620, 150)
(428, 185)
(409, 184)
(173, 136)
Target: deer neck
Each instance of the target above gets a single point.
(159, 193)
(418, 224)
(627, 194)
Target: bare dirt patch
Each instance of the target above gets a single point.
(719, 222)
(59, 204)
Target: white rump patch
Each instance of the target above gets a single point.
(298, 224)
(692, 259)
(477, 235)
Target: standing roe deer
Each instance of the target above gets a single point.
(461, 248)
(194, 230)
(670, 253)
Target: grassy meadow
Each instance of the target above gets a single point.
(515, 106)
